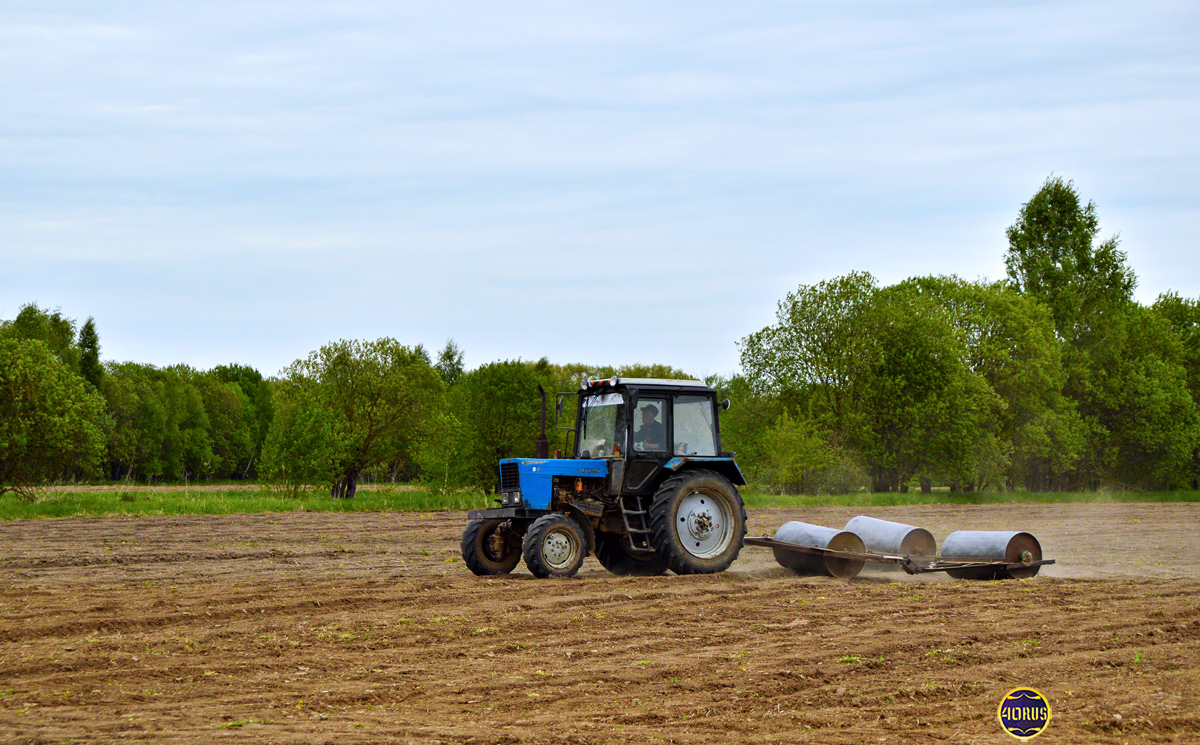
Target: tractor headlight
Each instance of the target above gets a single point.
(508, 498)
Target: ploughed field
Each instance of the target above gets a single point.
(366, 627)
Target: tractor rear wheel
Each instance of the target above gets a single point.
(617, 558)
(698, 522)
(490, 546)
(554, 546)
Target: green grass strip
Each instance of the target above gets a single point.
(136, 501)
(145, 502)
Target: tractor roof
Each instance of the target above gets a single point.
(662, 382)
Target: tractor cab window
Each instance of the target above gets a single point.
(694, 431)
(649, 432)
(602, 426)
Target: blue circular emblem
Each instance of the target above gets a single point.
(1024, 713)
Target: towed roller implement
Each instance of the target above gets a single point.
(968, 554)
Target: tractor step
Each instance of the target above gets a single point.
(637, 528)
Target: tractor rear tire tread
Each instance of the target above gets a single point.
(665, 531)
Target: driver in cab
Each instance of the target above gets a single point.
(651, 435)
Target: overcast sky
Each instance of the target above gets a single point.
(603, 182)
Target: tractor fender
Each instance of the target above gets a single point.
(727, 467)
(585, 525)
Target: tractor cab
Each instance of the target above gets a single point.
(643, 426)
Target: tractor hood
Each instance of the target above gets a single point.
(532, 478)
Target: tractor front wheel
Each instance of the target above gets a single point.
(698, 522)
(554, 546)
(490, 546)
(617, 558)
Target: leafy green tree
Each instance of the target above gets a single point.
(89, 354)
(1145, 427)
(53, 328)
(161, 430)
(51, 424)
(1053, 256)
(355, 405)
(260, 405)
(231, 426)
(1126, 369)
(301, 448)
(1183, 314)
(188, 448)
(818, 346)
(924, 411)
(795, 452)
(139, 418)
(1010, 341)
(450, 363)
(499, 409)
(885, 372)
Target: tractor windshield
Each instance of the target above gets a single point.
(602, 426)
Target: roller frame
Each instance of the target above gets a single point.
(906, 563)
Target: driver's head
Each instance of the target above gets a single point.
(649, 413)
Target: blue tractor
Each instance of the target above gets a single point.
(647, 489)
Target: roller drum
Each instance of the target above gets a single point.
(886, 537)
(818, 536)
(993, 545)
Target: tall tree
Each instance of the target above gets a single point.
(922, 410)
(353, 405)
(160, 427)
(53, 328)
(1125, 368)
(1053, 256)
(231, 426)
(259, 399)
(500, 411)
(1010, 341)
(884, 371)
(1145, 426)
(450, 363)
(89, 354)
(51, 424)
(1183, 314)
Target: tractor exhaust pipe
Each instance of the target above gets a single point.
(543, 445)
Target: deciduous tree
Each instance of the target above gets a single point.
(1053, 256)
(350, 406)
(51, 424)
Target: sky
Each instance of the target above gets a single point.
(607, 183)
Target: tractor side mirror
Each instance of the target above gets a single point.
(558, 407)
(725, 405)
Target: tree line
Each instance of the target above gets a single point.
(350, 412)
(1051, 379)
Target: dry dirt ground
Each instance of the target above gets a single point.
(347, 628)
